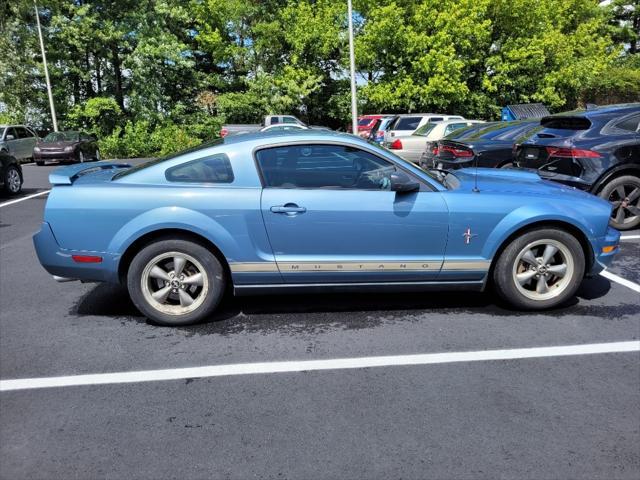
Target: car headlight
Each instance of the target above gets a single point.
(68, 149)
(36, 149)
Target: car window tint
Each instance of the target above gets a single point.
(323, 166)
(436, 119)
(407, 123)
(289, 120)
(214, 169)
(275, 120)
(629, 123)
(20, 132)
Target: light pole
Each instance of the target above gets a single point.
(352, 67)
(46, 71)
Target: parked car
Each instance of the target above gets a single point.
(283, 127)
(11, 178)
(18, 141)
(365, 124)
(428, 155)
(489, 145)
(380, 126)
(413, 146)
(315, 211)
(596, 150)
(69, 146)
(235, 129)
(406, 124)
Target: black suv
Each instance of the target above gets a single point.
(597, 150)
(10, 174)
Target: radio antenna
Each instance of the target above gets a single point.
(475, 176)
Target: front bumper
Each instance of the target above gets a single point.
(605, 249)
(58, 261)
(58, 155)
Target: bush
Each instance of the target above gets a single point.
(99, 115)
(141, 140)
(616, 85)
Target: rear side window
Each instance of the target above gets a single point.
(407, 123)
(453, 126)
(363, 122)
(289, 120)
(566, 123)
(435, 119)
(629, 123)
(214, 169)
(323, 166)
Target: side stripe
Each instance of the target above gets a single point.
(351, 266)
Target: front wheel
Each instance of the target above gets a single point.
(541, 269)
(624, 195)
(12, 180)
(176, 282)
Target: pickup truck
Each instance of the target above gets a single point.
(235, 129)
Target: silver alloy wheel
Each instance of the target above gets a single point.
(626, 204)
(174, 283)
(543, 269)
(13, 180)
(81, 157)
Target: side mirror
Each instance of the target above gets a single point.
(402, 183)
(9, 137)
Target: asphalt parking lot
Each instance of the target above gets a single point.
(547, 416)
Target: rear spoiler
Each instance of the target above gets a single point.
(67, 175)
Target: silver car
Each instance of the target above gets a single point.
(17, 140)
(411, 147)
(407, 123)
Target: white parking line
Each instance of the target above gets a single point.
(629, 237)
(314, 365)
(622, 281)
(18, 200)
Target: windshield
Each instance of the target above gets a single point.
(156, 161)
(424, 130)
(61, 137)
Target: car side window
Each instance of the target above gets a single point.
(21, 132)
(213, 169)
(323, 166)
(275, 120)
(435, 119)
(289, 120)
(10, 131)
(629, 123)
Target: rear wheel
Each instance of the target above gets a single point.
(12, 180)
(540, 269)
(176, 282)
(624, 194)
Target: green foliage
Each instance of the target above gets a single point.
(99, 115)
(152, 76)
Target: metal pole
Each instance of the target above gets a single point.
(46, 71)
(352, 67)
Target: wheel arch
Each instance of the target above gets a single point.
(619, 170)
(173, 234)
(558, 224)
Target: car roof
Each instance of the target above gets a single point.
(618, 109)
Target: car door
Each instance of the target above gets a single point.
(22, 143)
(330, 219)
(30, 139)
(12, 142)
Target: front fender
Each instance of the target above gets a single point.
(532, 214)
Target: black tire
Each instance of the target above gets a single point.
(510, 265)
(39, 163)
(141, 284)
(624, 194)
(12, 180)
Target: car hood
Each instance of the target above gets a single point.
(513, 181)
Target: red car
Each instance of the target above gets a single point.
(365, 124)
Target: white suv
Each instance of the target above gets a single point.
(407, 123)
(17, 140)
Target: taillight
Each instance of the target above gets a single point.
(456, 152)
(560, 152)
(224, 132)
(86, 259)
(396, 145)
(434, 149)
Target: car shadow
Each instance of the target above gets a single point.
(114, 301)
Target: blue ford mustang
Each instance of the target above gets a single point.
(315, 211)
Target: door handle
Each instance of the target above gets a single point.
(289, 208)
